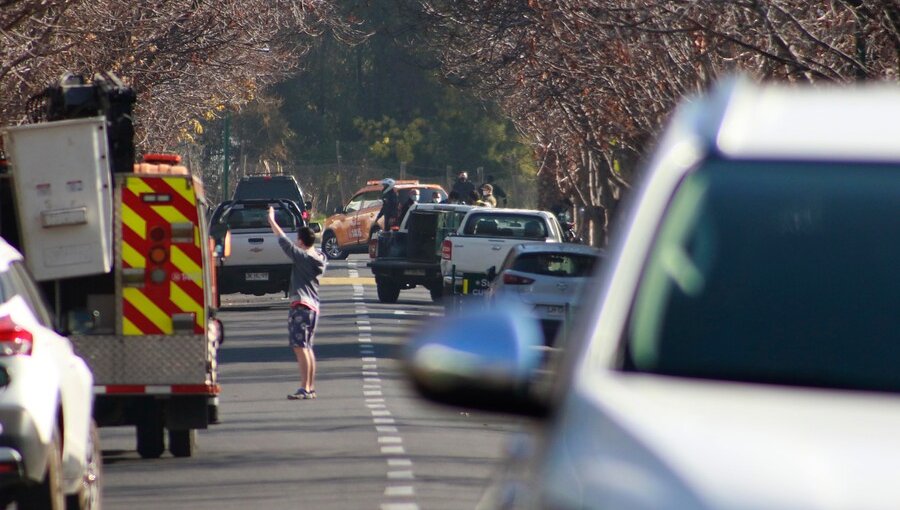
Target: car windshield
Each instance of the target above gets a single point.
(783, 273)
(506, 225)
(258, 217)
(555, 264)
(268, 189)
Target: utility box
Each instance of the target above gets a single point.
(63, 195)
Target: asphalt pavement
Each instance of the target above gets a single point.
(367, 442)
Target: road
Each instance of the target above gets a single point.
(367, 442)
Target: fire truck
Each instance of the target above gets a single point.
(123, 256)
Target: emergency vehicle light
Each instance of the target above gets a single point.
(157, 234)
(161, 158)
(14, 340)
(156, 197)
(158, 255)
(396, 182)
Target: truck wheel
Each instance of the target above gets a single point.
(88, 495)
(387, 292)
(331, 248)
(150, 434)
(437, 292)
(48, 495)
(182, 442)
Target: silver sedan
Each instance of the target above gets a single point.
(547, 278)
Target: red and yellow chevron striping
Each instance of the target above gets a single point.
(161, 235)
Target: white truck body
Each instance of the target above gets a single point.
(256, 263)
(64, 195)
(485, 237)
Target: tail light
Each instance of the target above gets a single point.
(514, 279)
(446, 249)
(14, 340)
(373, 247)
(158, 254)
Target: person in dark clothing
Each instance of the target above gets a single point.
(412, 198)
(390, 204)
(499, 193)
(463, 185)
(453, 198)
(306, 273)
(473, 198)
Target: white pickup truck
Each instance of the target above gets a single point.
(483, 240)
(256, 263)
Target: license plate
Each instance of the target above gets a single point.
(256, 277)
(552, 310)
(414, 272)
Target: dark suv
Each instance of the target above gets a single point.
(269, 187)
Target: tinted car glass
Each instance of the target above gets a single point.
(7, 286)
(775, 273)
(506, 225)
(267, 188)
(257, 217)
(554, 264)
(425, 194)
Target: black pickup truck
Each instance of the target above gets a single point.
(411, 256)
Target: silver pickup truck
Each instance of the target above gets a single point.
(483, 240)
(256, 264)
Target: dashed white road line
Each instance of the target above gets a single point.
(389, 440)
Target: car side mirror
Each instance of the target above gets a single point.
(315, 227)
(493, 366)
(339, 209)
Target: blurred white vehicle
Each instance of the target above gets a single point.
(741, 348)
(548, 278)
(49, 449)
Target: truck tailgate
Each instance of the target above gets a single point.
(255, 248)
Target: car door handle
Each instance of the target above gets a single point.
(255, 240)
(496, 248)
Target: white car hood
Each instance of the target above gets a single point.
(640, 441)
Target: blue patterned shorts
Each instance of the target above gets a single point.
(302, 326)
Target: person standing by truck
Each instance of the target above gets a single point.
(390, 205)
(308, 267)
(411, 199)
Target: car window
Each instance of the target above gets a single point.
(258, 217)
(8, 288)
(506, 225)
(780, 273)
(555, 264)
(262, 188)
(22, 284)
(371, 199)
(354, 203)
(425, 194)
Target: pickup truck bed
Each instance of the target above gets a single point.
(411, 256)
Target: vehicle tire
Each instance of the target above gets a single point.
(388, 292)
(89, 496)
(48, 495)
(331, 248)
(151, 434)
(182, 442)
(437, 292)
